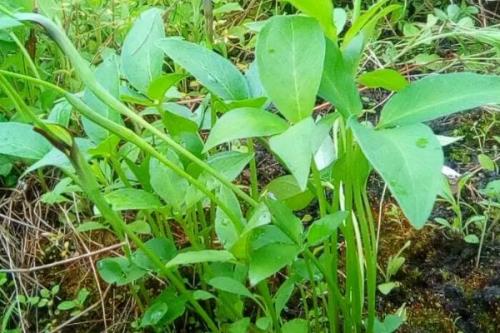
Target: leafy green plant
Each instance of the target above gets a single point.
(76, 305)
(240, 239)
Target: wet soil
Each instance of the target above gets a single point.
(441, 287)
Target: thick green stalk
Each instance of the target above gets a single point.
(87, 76)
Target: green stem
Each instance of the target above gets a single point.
(314, 295)
(254, 181)
(87, 76)
(90, 186)
(266, 295)
(128, 135)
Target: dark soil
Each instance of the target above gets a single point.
(442, 289)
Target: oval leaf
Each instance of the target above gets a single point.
(294, 148)
(20, 140)
(215, 72)
(409, 159)
(383, 78)
(230, 285)
(194, 257)
(337, 83)
(290, 54)
(108, 75)
(142, 60)
(129, 198)
(440, 95)
(245, 123)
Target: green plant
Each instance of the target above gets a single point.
(76, 305)
(166, 173)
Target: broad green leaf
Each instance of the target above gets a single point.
(61, 113)
(486, 162)
(108, 75)
(471, 239)
(260, 217)
(254, 82)
(166, 183)
(106, 148)
(339, 19)
(202, 295)
(141, 58)
(7, 22)
(239, 326)
(245, 123)
(383, 78)
(268, 234)
(164, 248)
(286, 189)
(139, 227)
(195, 257)
(321, 10)
(269, 259)
(285, 220)
(230, 285)
(390, 324)
(296, 326)
(440, 95)
(290, 55)
(129, 198)
(230, 164)
(263, 323)
(56, 158)
(119, 270)
(293, 147)
(179, 124)
(387, 287)
(227, 231)
(176, 306)
(323, 228)
(492, 190)
(337, 83)
(154, 314)
(66, 305)
(283, 294)
(5, 165)
(20, 140)
(409, 159)
(215, 72)
(161, 84)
